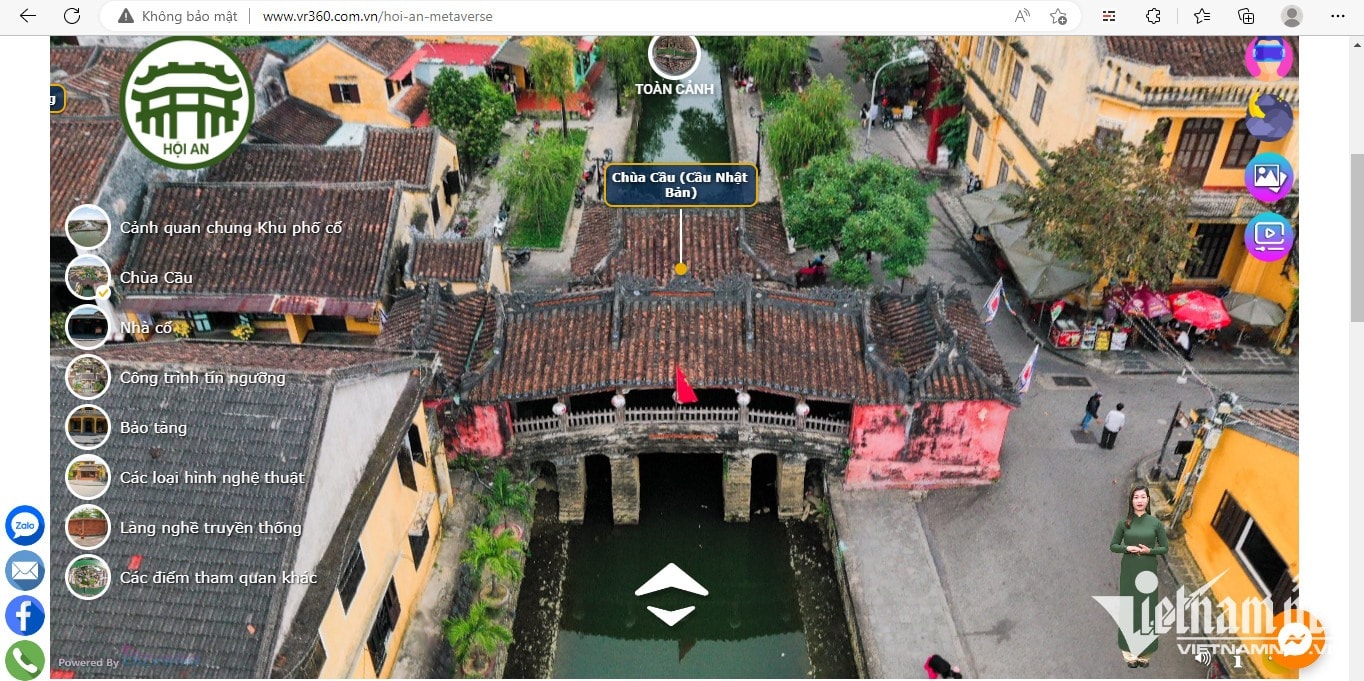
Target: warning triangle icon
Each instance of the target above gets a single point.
(126, 17)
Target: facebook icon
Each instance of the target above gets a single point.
(25, 615)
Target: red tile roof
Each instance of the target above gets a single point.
(461, 330)
(1279, 421)
(412, 102)
(451, 54)
(385, 53)
(400, 154)
(312, 273)
(102, 78)
(442, 260)
(82, 151)
(288, 163)
(294, 121)
(67, 60)
(385, 155)
(631, 336)
(716, 243)
(1215, 56)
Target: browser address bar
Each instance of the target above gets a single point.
(590, 17)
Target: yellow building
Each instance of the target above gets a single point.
(459, 266)
(1027, 95)
(360, 79)
(1243, 517)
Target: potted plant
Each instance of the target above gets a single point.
(507, 498)
(244, 331)
(474, 639)
(497, 553)
(181, 328)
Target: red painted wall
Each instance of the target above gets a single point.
(481, 431)
(953, 444)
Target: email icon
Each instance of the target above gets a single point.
(24, 570)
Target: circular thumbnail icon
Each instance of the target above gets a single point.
(187, 102)
(87, 577)
(87, 477)
(87, 527)
(1269, 177)
(25, 615)
(87, 427)
(674, 56)
(25, 660)
(1269, 237)
(87, 226)
(25, 570)
(86, 276)
(1269, 58)
(1268, 117)
(24, 525)
(87, 327)
(87, 376)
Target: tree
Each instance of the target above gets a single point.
(473, 110)
(725, 50)
(551, 66)
(866, 54)
(813, 123)
(475, 636)
(954, 135)
(1112, 210)
(495, 553)
(859, 208)
(627, 60)
(777, 62)
(506, 496)
(538, 180)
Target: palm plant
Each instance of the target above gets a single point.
(506, 496)
(551, 67)
(474, 638)
(496, 553)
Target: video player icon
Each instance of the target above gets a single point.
(671, 577)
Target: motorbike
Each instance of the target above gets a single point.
(517, 256)
(461, 226)
(887, 119)
(578, 195)
(813, 275)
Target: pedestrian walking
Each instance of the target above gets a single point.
(1140, 537)
(866, 110)
(938, 668)
(1113, 424)
(1185, 346)
(1091, 410)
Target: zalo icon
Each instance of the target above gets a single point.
(24, 525)
(25, 570)
(25, 615)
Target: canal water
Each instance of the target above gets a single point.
(689, 127)
(749, 625)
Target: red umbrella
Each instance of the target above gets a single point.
(1200, 309)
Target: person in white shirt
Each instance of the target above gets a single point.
(1184, 344)
(1113, 424)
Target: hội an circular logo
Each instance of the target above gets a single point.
(187, 102)
(674, 56)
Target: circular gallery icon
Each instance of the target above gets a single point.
(87, 577)
(1269, 177)
(187, 102)
(1269, 237)
(87, 477)
(674, 56)
(1268, 117)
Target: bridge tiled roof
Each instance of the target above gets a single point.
(643, 242)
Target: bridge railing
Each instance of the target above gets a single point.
(678, 415)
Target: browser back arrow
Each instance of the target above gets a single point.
(26, 15)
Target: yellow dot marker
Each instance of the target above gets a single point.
(680, 268)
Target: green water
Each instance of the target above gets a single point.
(685, 127)
(748, 626)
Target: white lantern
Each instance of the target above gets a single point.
(618, 401)
(559, 409)
(743, 399)
(802, 410)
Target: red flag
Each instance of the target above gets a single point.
(685, 395)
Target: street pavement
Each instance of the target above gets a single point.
(1021, 560)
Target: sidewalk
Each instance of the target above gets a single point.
(746, 136)
(898, 600)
